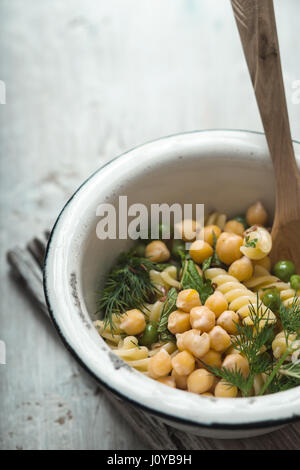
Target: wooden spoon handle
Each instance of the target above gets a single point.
(257, 27)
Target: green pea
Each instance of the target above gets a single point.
(150, 334)
(284, 270)
(295, 281)
(177, 246)
(140, 249)
(271, 299)
(242, 220)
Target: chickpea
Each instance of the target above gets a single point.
(133, 322)
(242, 269)
(200, 381)
(224, 390)
(179, 322)
(180, 380)
(227, 320)
(187, 334)
(208, 232)
(212, 358)
(219, 339)
(200, 250)
(264, 262)
(186, 230)
(228, 247)
(169, 381)
(202, 318)
(256, 214)
(187, 299)
(206, 394)
(215, 381)
(160, 364)
(183, 363)
(195, 343)
(236, 362)
(217, 303)
(233, 226)
(157, 251)
(179, 341)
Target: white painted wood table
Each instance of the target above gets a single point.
(86, 80)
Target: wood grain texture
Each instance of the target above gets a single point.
(85, 81)
(27, 266)
(257, 27)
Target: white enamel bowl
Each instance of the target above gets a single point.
(225, 170)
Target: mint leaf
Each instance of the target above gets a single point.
(191, 279)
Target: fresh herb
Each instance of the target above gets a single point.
(288, 376)
(206, 264)
(275, 381)
(292, 369)
(233, 378)
(168, 307)
(280, 383)
(213, 260)
(191, 279)
(249, 341)
(162, 266)
(250, 243)
(290, 318)
(127, 286)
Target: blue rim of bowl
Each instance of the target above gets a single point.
(223, 426)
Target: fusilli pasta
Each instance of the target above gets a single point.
(262, 279)
(128, 348)
(279, 344)
(167, 278)
(237, 295)
(215, 218)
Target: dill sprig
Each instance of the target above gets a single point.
(292, 369)
(249, 341)
(282, 377)
(127, 286)
(168, 307)
(213, 260)
(280, 383)
(233, 378)
(252, 338)
(290, 318)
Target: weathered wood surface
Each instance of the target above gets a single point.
(85, 81)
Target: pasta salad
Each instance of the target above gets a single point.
(217, 319)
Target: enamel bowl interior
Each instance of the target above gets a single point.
(225, 170)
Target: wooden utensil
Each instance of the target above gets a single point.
(257, 27)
